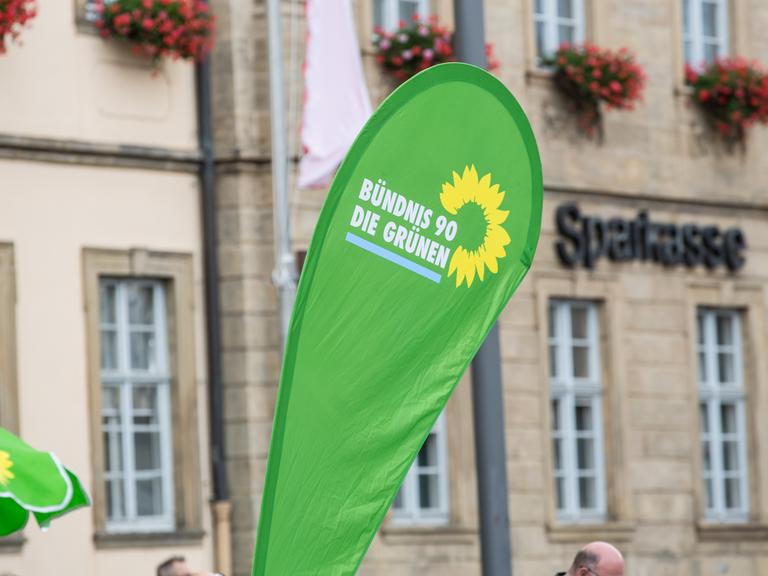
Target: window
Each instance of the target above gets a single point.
(8, 390)
(423, 497)
(721, 415)
(136, 405)
(705, 30)
(388, 13)
(576, 403)
(557, 22)
(140, 310)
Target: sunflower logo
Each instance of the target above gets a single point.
(475, 203)
(5, 468)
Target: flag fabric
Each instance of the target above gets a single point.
(336, 102)
(430, 225)
(34, 482)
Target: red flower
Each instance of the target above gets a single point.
(704, 95)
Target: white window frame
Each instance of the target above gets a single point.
(693, 30)
(410, 511)
(713, 394)
(568, 392)
(124, 378)
(551, 20)
(390, 10)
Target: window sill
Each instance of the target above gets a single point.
(147, 539)
(12, 544)
(436, 534)
(539, 76)
(683, 91)
(731, 532)
(608, 531)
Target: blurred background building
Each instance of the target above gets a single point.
(633, 389)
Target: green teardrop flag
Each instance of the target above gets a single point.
(36, 482)
(429, 226)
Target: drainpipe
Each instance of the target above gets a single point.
(220, 505)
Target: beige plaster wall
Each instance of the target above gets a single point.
(49, 213)
(65, 82)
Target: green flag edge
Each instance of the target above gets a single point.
(439, 74)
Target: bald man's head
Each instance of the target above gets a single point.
(597, 559)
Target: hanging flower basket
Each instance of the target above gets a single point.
(590, 76)
(417, 46)
(733, 93)
(178, 29)
(14, 15)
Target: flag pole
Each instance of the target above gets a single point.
(487, 396)
(284, 274)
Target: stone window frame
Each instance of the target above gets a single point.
(737, 37)
(176, 270)
(9, 399)
(551, 22)
(564, 391)
(593, 25)
(749, 300)
(606, 290)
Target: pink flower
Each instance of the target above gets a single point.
(428, 54)
(407, 54)
(385, 44)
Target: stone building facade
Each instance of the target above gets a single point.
(616, 425)
(633, 390)
(102, 332)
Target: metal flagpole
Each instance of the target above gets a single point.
(284, 274)
(487, 397)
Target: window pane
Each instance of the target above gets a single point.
(703, 418)
(109, 350)
(700, 327)
(149, 497)
(686, 15)
(706, 462)
(107, 303)
(702, 367)
(725, 367)
(580, 362)
(560, 493)
(398, 503)
(115, 499)
(587, 492)
(730, 456)
(724, 330)
(428, 453)
(709, 493)
(554, 369)
(428, 491)
(145, 405)
(584, 418)
(711, 52)
(557, 454)
(579, 323)
(709, 19)
(140, 302)
(585, 453)
(565, 8)
(556, 415)
(113, 454)
(539, 8)
(732, 493)
(566, 34)
(407, 10)
(541, 50)
(378, 13)
(146, 449)
(142, 351)
(728, 418)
